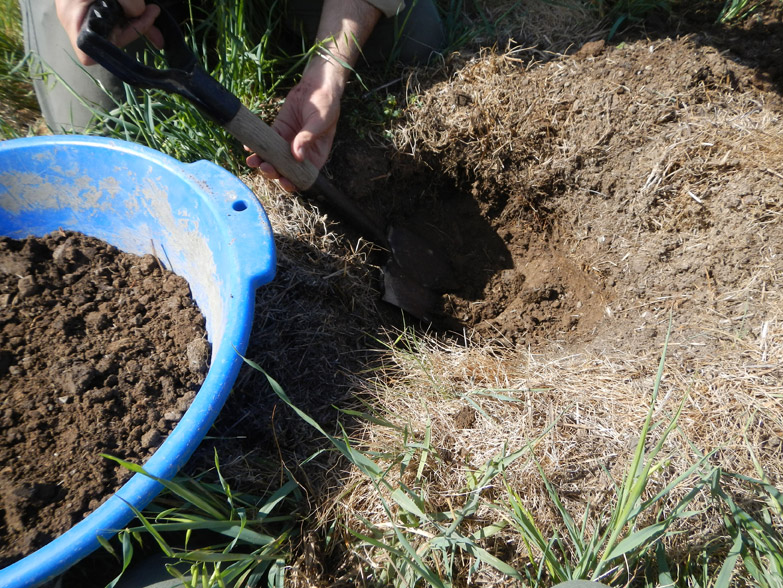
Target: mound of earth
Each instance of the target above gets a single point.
(595, 193)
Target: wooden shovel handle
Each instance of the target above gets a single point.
(271, 147)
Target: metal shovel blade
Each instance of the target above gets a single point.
(408, 294)
(421, 260)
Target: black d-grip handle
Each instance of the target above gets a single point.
(184, 76)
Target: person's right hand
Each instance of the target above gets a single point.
(307, 121)
(140, 24)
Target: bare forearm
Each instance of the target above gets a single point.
(308, 118)
(344, 27)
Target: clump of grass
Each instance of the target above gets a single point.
(407, 510)
(736, 10)
(754, 529)
(469, 24)
(625, 546)
(223, 538)
(11, 48)
(409, 530)
(420, 543)
(17, 101)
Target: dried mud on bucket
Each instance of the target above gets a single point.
(100, 352)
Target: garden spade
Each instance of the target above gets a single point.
(416, 273)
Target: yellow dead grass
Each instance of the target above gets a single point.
(687, 226)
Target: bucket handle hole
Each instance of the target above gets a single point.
(239, 205)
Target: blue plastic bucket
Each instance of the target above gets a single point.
(204, 224)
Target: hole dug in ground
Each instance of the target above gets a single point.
(516, 282)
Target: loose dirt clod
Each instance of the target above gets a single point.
(95, 357)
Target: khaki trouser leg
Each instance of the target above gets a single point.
(52, 52)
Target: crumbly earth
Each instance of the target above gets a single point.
(100, 352)
(583, 198)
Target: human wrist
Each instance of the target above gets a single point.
(344, 27)
(327, 71)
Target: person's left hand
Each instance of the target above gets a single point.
(307, 121)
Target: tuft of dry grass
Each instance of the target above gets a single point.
(550, 27)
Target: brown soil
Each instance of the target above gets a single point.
(100, 352)
(583, 197)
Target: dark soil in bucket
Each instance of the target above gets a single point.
(100, 352)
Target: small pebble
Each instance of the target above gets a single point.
(198, 356)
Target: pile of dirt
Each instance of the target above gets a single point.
(585, 197)
(100, 352)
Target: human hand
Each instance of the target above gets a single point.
(308, 118)
(307, 121)
(140, 24)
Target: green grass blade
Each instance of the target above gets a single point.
(127, 553)
(213, 557)
(727, 569)
(638, 539)
(531, 534)
(565, 516)
(371, 419)
(425, 450)
(150, 528)
(479, 554)
(408, 504)
(277, 497)
(227, 528)
(198, 501)
(357, 458)
(664, 572)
